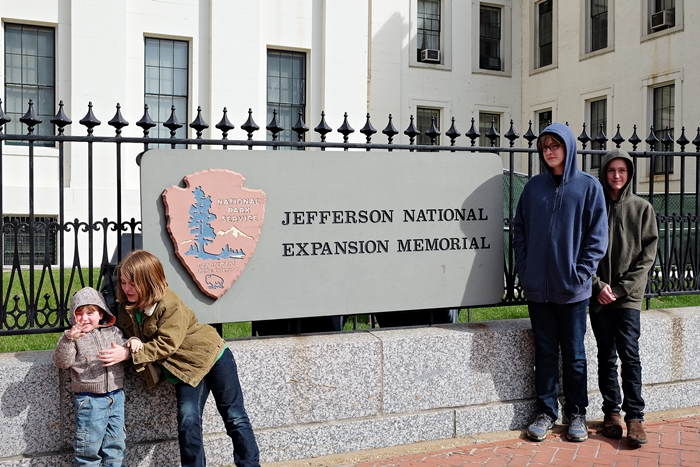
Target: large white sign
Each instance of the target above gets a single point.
(337, 233)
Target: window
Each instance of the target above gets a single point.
(424, 117)
(428, 26)
(663, 15)
(44, 239)
(489, 38)
(29, 74)
(599, 24)
(484, 127)
(598, 119)
(664, 107)
(166, 84)
(286, 90)
(544, 119)
(545, 34)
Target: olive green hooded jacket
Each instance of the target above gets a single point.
(633, 236)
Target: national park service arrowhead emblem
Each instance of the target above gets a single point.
(214, 224)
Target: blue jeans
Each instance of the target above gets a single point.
(99, 435)
(222, 381)
(556, 326)
(617, 333)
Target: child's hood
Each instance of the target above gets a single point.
(567, 136)
(90, 296)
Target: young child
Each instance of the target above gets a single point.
(618, 291)
(561, 234)
(99, 398)
(193, 357)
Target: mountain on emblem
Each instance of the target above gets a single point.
(214, 224)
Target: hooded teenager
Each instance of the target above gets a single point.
(560, 235)
(618, 291)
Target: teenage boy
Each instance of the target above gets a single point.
(561, 234)
(618, 291)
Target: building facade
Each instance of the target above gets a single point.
(595, 62)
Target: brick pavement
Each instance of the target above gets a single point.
(673, 442)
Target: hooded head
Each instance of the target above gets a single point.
(90, 296)
(560, 133)
(603, 174)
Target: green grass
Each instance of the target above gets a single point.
(48, 341)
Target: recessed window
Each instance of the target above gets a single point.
(485, 121)
(490, 38)
(544, 119)
(428, 31)
(598, 24)
(166, 74)
(425, 116)
(16, 239)
(663, 109)
(545, 33)
(29, 75)
(599, 121)
(286, 90)
(663, 15)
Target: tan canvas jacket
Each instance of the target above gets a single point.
(172, 336)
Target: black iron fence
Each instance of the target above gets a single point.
(47, 257)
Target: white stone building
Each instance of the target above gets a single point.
(596, 62)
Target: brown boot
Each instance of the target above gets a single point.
(635, 433)
(612, 426)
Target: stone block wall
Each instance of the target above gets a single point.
(323, 394)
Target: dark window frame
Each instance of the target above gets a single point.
(485, 126)
(35, 54)
(490, 29)
(598, 109)
(171, 72)
(289, 85)
(599, 24)
(423, 120)
(428, 27)
(545, 33)
(663, 109)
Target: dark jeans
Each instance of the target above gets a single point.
(617, 333)
(222, 381)
(555, 326)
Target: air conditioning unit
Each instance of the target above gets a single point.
(663, 19)
(430, 56)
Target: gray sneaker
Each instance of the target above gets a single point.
(578, 431)
(537, 431)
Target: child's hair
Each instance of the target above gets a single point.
(546, 139)
(146, 272)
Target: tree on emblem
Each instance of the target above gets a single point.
(200, 218)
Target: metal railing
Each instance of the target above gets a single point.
(38, 282)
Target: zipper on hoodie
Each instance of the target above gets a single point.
(546, 256)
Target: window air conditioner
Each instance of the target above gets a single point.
(662, 19)
(490, 63)
(430, 56)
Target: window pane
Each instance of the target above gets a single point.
(166, 54)
(13, 39)
(180, 104)
(152, 80)
(46, 46)
(273, 89)
(30, 45)
(46, 72)
(164, 108)
(30, 92)
(180, 84)
(298, 91)
(286, 66)
(151, 52)
(45, 105)
(29, 72)
(297, 67)
(13, 69)
(485, 120)
(13, 99)
(273, 64)
(166, 81)
(285, 91)
(180, 54)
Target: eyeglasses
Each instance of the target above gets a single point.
(551, 147)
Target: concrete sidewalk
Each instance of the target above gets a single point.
(674, 440)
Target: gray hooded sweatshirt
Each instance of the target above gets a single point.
(80, 355)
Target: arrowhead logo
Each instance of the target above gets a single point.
(214, 224)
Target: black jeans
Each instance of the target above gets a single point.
(617, 333)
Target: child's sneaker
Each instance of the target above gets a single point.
(537, 431)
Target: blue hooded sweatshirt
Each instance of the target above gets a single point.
(560, 231)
